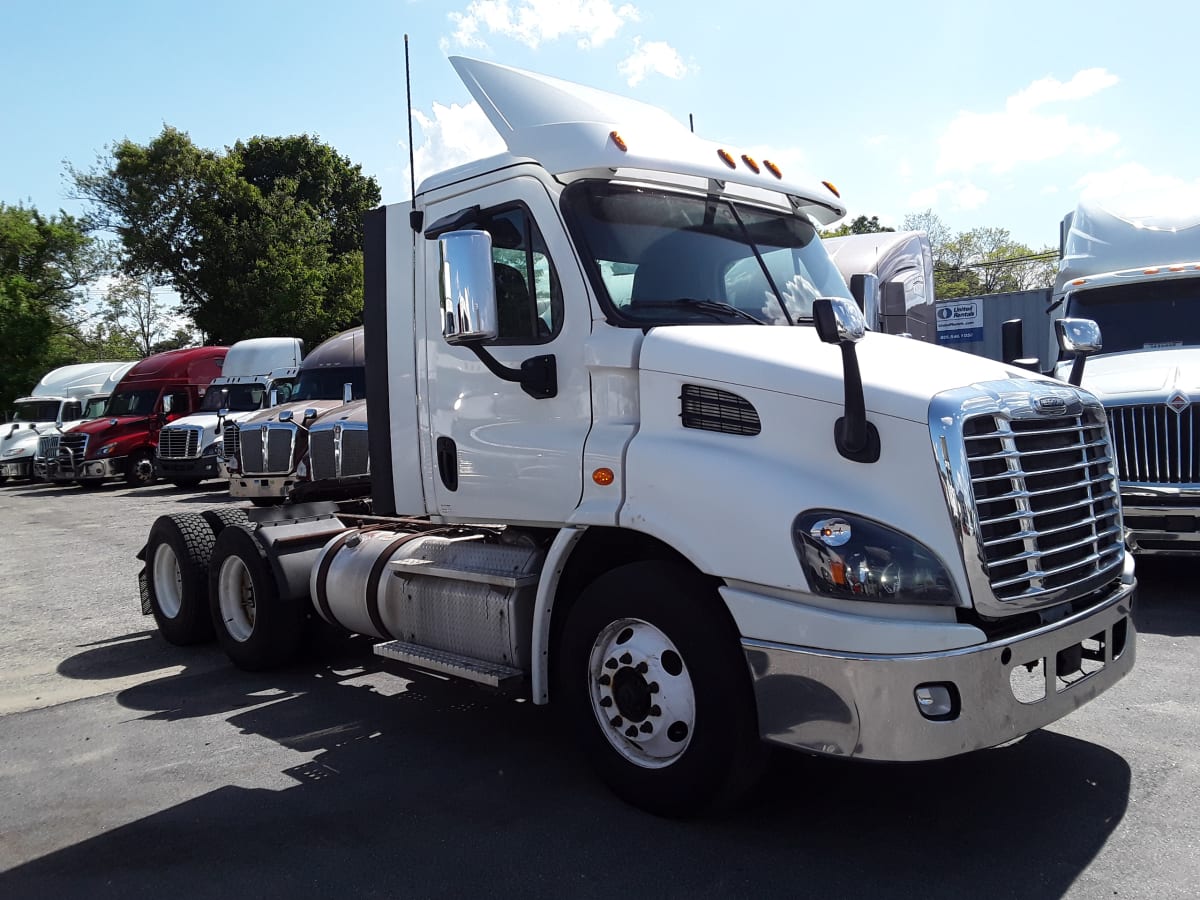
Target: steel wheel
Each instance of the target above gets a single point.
(235, 598)
(168, 580)
(641, 693)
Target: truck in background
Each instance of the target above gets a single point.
(62, 399)
(902, 261)
(257, 373)
(1136, 271)
(634, 453)
(121, 444)
(264, 453)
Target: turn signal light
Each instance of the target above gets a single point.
(603, 477)
(619, 141)
(751, 164)
(833, 190)
(727, 158)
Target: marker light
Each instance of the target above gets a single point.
(751, 164)
(619, 141)
(772, 168)
(1151, 271)
(833, 190)
(1176, 268)
(603, 477)
(727, 158)
(1078, 281)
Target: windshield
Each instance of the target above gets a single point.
(665, 258)
(94, 408)
(1145, 315)
(326, 383)
(234, 397)
(36, 411)
(132, 403)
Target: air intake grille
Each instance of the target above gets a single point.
(267, 449)
(72, 448)
(47, 447)
(1046, 501)
(338, 452)
(1154, 444)
(179, 443)
(710, 409)
(229, 440)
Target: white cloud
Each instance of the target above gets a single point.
(1022, 133)
(959, 195)
(592, 22)
(652, 57)
(453, 135)
(1133, 191)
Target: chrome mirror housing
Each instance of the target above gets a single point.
(468, 288)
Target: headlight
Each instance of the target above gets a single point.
(106, 449)
(14, 451)
(853, 558)
(211, 449)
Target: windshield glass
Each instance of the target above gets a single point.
(132, 403)
(1142, 316)
(36, 411)
(326, 383)
(667, 258)
(94, 408)
(234, 397)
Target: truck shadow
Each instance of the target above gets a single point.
(416, 787)
(1167, 602)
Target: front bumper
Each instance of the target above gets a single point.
(108, 467)
(200, 467)
(1162, 522)
(274, 486)
(16, 468)
(864, 706)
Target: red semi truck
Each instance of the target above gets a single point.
(121, 443)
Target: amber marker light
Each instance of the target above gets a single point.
(727, 158)
(1151, 271)
(619, 141)
(751, 164)
(833, 190)
(772, 168)
(1176, 268)
(603, 477)
(1078, 281)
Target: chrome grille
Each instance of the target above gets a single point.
(47, 446)
(1153, 444)
(266, 449)
(1048, 517)
(179, 443)
(338, 451)
(229, 440)
(72, 448)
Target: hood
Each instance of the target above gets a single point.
(297, 410)
(900, 376)
(24, 438)
(112, 428)
(1142, 376)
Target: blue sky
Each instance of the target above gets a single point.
(989, 114)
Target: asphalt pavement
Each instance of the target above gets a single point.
(132, 768)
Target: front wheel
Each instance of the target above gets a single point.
(139, 469)
(657, 690)
(255, 627)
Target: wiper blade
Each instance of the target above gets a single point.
(715, 308)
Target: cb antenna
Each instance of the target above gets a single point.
(412, 171)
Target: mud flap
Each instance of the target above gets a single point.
(144, 590)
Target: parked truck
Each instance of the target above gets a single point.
(258, 373)
(264, 452)
(902, 302)
(1138, 276)
(156, 390)
(63, 398)
(633, 454)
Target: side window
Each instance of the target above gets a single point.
(180, 406)
(528, 296)
(70, 411)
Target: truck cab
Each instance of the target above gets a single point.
(62, 399)
(264, 451)
(1138, 276)
(255, 371)
(155, 391)
(901, 300)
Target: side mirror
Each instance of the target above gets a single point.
(1079, 338)
(310, 414)
(167, 402)
(285, 415)
(839, 321)
(467, 287)
(865, 290)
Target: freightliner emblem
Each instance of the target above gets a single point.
(1179, 401)
(1049, 406)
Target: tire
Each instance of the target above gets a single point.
(256, 628)
(139, 469)
(222, 517)
(177, 554)
(654, 685)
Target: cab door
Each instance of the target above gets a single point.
(496, 453)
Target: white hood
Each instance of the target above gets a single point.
(900, 376)
(1142, 376)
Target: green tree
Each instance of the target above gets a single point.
(135, 315)
(46, 264)
(858, 225)
(264, 238)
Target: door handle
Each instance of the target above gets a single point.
(447, 460)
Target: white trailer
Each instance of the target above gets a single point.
(62, 399)
(633, 454)
(1136, 271)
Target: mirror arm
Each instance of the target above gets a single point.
(538, 375)
(855, 437)
(1076, 376)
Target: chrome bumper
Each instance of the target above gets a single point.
(92, 468)
(277, 486)
(865, 706)
(1167, 526)
(19, 468)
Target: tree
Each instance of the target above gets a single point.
(133, 314)
(262, 239)
(859, 225)
(46, 264)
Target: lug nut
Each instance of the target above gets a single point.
(606, 702)
(605, 680)
(626, 658)
(642, 668)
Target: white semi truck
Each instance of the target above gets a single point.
(258, 373)
(902, 262)
(62, 399)
(1136, 272)
(632, 454)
